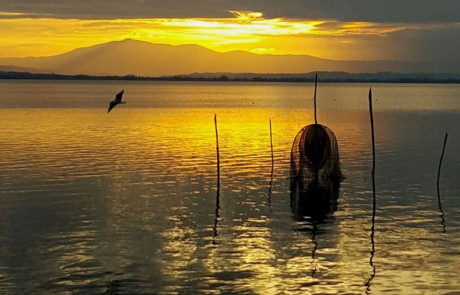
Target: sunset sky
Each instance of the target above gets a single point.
(333, 29)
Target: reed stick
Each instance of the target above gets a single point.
(217, 150)
(269, 200)
(437, 184)
(314, 97)
(371, 259)
(271, 143)
(216, 216)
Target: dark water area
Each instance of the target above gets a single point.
(125, 203)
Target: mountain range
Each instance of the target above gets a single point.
(133, 57)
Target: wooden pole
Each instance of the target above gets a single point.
(217, 150)
(273, 166)
(271, 143)
(373, 140)
(440, 160)
(371, 260)
(314, 98)
(216, 217)
(437, 184)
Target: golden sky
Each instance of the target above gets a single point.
(23, 35)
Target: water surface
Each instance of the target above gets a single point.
(125, 203)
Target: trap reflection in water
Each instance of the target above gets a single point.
(314, 199)
(315, 172)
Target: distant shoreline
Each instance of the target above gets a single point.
(331, 77)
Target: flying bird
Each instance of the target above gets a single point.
(116, 100)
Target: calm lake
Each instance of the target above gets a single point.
(126, 202)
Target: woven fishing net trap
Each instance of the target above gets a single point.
(315, 152)
(315, 172)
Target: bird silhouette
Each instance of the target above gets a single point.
(116, 100)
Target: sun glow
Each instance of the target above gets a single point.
(23, 35)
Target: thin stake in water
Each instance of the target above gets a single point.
(314, 97)
(273, 165)
(371, 260)
(216, 218)
(315, 130)
(217, 150)
(271, 142)
(443, 221)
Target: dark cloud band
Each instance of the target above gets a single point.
(407, 11)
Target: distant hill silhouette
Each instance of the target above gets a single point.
(8, 68)
(131, 57)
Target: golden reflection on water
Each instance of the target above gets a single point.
(150, 145)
